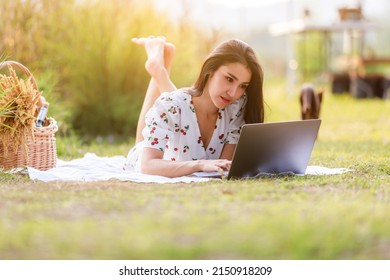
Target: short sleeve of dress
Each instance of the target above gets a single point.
(236, 112)
(161, 121)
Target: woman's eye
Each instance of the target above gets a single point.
(229, 79)
(244, 86)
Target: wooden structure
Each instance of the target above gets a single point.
(353, 26)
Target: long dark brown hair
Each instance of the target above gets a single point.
(233, 51)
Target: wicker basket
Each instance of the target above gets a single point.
(41, 150)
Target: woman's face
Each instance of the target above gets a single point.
(228, 84)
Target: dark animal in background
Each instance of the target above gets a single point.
(310, 102)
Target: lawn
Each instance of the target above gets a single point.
(286, 217)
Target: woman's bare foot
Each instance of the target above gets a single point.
(154, 47)
(155, 52)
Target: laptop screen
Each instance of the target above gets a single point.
(277, 147)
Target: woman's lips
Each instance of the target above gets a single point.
(224, 100)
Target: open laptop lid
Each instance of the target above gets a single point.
(276, 147)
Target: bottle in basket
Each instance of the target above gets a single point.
(42, 114)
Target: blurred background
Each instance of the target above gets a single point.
(80, 51)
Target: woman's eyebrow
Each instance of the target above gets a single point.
(235, 78)
(231, 75)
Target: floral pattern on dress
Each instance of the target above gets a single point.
(172, 127)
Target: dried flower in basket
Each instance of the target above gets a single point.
(19, 100)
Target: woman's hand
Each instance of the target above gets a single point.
(218, 165)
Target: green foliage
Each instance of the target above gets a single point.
(86, 47)
(311, 54)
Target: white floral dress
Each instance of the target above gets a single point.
(172, 127)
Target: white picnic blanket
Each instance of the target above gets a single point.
(94, 168)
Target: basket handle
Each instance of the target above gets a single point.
(20, 67)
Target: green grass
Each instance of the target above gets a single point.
(311, 217)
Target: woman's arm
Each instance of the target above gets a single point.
(152, 163)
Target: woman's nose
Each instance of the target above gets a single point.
(233, 91)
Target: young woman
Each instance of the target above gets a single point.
(196, 129)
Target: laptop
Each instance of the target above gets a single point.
(273, 148)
